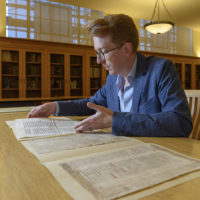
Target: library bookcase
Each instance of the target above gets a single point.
(38, 71)
(35, 71)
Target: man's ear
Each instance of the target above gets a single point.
(128, 48)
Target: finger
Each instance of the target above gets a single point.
(81, 129)
(31, 113)
(83, 123)
(96, 107)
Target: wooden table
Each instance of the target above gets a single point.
(22, 177)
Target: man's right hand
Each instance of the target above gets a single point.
(44, 110)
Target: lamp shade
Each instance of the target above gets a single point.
(159, 27)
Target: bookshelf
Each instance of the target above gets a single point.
(188, 77)
(33, 74)
(179, 70)
(95, 75)
(57, 62)
(33, 70)
(10, 74)
(76, 75)
(186, 66)
(197, 76)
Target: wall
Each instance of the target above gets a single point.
(196, 43)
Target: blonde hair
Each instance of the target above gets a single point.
(120, 27)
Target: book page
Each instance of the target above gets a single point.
(55, 148)
(64, 126)
(41, 127)
(115, 173)
(11, 124)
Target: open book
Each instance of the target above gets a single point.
(103, 166)
(42, 127)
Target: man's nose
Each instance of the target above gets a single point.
(99, 60)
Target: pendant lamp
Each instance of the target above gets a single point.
(159, 26)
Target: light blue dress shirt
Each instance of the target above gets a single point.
(126, 94)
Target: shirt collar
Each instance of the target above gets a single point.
(130, 77)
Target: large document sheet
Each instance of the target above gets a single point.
(115, 173)
(54, 148)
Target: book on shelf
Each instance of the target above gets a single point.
(10, 56)
(76, 84)
(33, 57)
(95, 72)
(100, 165)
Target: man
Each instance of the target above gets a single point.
(142, 96)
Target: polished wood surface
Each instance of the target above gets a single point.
(23, 177)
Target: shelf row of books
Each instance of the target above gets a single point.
(10, 94)
(93, 61)
(75, 71)
(10, 56)
(95, 72)
(32, 69)
(76, 84)
(33, 83)
(57, 83)
(57, 70)
(76, 60)
(56, 58)
(7, 68)
(95, 83)
(10, 82)
(33, 57)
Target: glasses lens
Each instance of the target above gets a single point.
(100, 55)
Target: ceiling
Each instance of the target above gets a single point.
(185, 13)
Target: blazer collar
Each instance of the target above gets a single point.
(141, 64)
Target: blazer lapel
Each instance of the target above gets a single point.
(112, 94)
(116, 104)
(139, 81)
(138, 85)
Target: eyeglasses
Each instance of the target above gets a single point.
(102, 54)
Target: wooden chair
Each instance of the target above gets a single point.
(193, 97)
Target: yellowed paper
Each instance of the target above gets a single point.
(55, 148)
(43, 127)
(115, 173)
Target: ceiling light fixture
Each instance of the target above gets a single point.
(158, 26)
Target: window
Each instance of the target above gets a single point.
(176, 41)
(48, 20)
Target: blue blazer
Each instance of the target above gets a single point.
(160, 107)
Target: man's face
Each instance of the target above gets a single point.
(112, 60)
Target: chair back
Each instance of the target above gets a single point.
(193, 97)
